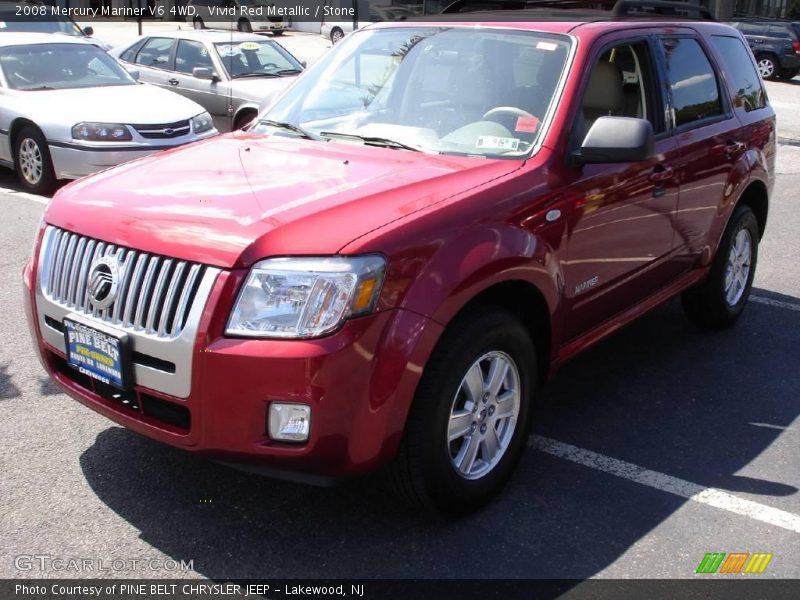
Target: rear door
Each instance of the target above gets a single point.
(711, 163)
(154, 59)
(620, 222)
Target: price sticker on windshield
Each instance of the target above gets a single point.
(249, 46)
(493, 142)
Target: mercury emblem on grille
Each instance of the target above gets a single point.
(103, 281)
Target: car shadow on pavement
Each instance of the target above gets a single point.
(7, 388)
(660, 394)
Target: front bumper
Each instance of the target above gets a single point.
(359, 383)
(72, 161)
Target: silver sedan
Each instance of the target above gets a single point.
(230, 74)
(68, 109)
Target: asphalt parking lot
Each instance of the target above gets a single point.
(658, 446)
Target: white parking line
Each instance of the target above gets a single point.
(25, 195)
(667, 483)
(778, 303)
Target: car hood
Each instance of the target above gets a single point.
(135, 104)
(256, 89)
(234, 199)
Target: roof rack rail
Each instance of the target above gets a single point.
(625, 8)
(611, 9)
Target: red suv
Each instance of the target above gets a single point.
(384, 270)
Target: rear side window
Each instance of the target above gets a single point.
(130, 53)
(752, 29)
(741, 72)
(692, 81)
(155, 53)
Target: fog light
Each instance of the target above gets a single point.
(289, 422)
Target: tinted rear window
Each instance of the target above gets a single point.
(693, 83)
(741, 72)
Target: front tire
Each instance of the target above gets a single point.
(337, 35)
(198, 23)
(469, 420)
(243, 26)
(32, 161)
(787, 74)
(719, 301)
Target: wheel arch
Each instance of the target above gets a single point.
(756, 196)
(525, 301)
(241, 112)
(13, 131)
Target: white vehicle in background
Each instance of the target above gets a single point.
(228, 74)
(228, 14)
(68, 109)
(60, 24)
(335, 28)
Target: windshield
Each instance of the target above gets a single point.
(60, 66)
(256, 59)
(437, 89)
(53, 24)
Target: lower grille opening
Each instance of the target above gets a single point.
(137, 403)
(168, 412)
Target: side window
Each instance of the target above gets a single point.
(779, 31)
(751, 29)
(692, 81)
(622, 85)
(155, 53)
(130, 53)
(191, 54)
(739, 68)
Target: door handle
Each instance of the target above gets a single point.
(661, 174)
(173, 81)
(734, 147)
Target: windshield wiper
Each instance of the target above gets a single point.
(38, 89)
(243, 75)
(373, 141)
(289, 127)
(286, 72)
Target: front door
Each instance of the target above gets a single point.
(620, 232)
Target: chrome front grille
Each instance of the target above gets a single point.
(164, 130)
(154, 295)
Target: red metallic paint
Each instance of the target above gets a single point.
(450, 227)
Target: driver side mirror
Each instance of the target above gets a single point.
(204, 73)
(616, 140)
(88, 31)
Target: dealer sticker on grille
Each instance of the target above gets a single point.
(96, 353)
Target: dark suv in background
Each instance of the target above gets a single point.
(776, 46)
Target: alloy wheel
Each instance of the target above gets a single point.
(483, 416)
(737, 271)
(30, 161)
(766, 68)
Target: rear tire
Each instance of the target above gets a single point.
(768, 67)
(719, 301)
(446, 429)
(277, 32)
(32, 161)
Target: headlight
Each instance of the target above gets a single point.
(202, 122)
(305, 297)
(101, 132)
